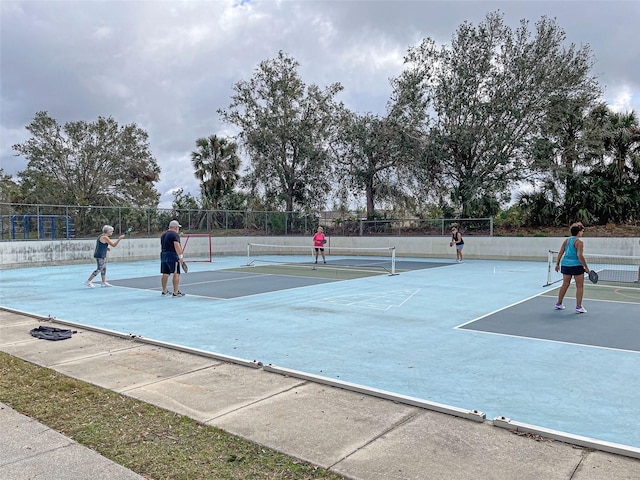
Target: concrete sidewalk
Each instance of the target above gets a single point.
(350, 433)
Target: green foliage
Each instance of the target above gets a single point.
(509, 218)
(588, 167)
(489, 92)
(216, 164)
(467, 124)
(284, 127)
(9, 190)
(374, 157)
(537, 209)
(184, 201)
(84, 163)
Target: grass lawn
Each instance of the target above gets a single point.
(155, 443)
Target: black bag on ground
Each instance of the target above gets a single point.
(51, 333)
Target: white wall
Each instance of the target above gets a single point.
(53, 252)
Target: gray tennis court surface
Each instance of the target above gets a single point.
(245, 280)
(517, 357)
(225, 285)
(534, 319)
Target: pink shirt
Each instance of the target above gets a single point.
(317, 240)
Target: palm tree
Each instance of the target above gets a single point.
(623, 142)
(216, 165)
(610, 189)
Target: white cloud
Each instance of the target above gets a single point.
(101, 33)
(169, 65)
(622, 99)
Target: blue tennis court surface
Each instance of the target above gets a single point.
(480, 335)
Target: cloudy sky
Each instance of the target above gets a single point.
(169, 65)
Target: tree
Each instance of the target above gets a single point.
(611, 189)
(216, 165)
(284, 126)
(568, 144)
(82, 163)
(373, 158)
(622, 141)
(9, 190)
(184, 201)
(588, 164)
(489, 93)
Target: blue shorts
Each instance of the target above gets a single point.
(572, 270)
(167, 268)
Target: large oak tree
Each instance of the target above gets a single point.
(284, 128)
(485, 97)
(87, 163)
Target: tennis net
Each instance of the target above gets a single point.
(365, 258)
(617, 270)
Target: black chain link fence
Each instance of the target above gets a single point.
(46, 222)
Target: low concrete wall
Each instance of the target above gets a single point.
(35, 253)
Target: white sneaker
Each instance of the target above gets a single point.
(581, 310)
(88, 284)
(106, 284)
(559, 306)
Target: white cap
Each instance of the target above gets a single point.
(174, 223)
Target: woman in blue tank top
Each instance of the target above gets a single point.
(100, 254)
(571, 264)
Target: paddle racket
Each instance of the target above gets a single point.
(184, 267)
(593, 276)
(324, 241)
(128, 231)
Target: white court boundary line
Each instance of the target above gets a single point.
(561, 342)
(475, 415)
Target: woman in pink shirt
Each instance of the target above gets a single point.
(318, 244)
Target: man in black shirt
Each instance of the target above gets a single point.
(170, 259)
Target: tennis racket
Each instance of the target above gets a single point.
(593, 276)
(128, 231)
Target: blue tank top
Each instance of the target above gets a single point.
(101, 249)
(570, 257)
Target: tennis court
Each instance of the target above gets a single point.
(482, 335)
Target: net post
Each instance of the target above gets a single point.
(248, 253)
(550, 280)
(549, 262)
(393, 261)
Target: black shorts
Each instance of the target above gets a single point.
(572, 270)
(319, 249)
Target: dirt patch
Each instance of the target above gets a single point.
(609, 230)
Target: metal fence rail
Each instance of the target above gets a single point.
(45, 222)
